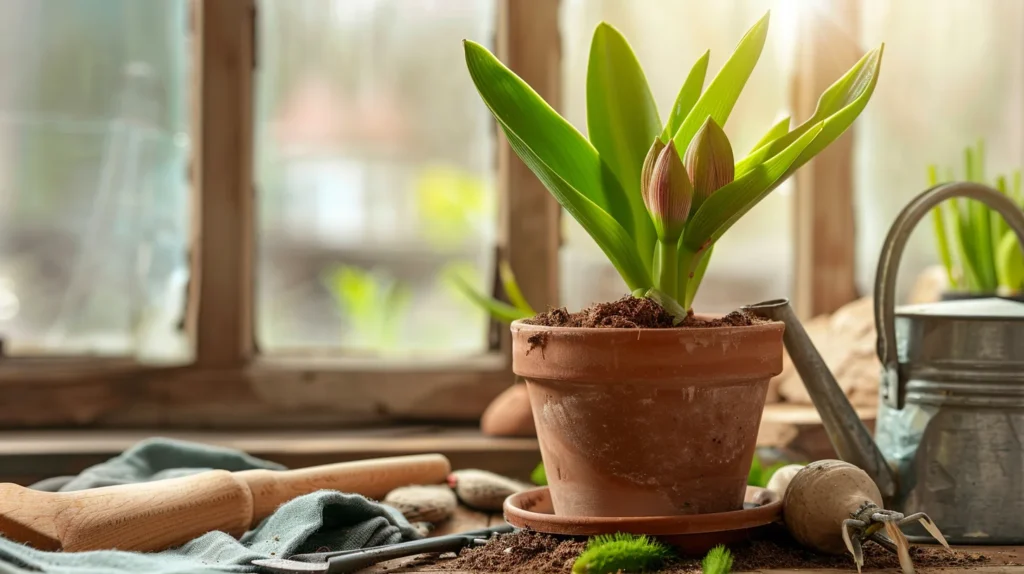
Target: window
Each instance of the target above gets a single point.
(376, 170)
(242, 213)
(94, 144)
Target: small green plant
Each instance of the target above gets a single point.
(655, 196)
(539, 476)
(620, 552)
(988, 255)
(717, 561)
(759, 474)
(500, 310)
(372, 303)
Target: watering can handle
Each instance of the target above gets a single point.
(892, 252)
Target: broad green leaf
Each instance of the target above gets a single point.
(561, 158)
(965, 241)
(498, 309)
(720, 211)
(562, 148)
(687, 96)
(838, 107)
(778, 130)
(723, 91)
(613, 240)
(693, 283)
(508, 282)
(622, 121)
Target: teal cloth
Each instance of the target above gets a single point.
(321, 520)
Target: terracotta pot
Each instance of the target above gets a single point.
(647, 422)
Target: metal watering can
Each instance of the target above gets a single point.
(950, 427)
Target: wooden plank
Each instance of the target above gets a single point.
(220, 289)
(825, 233)
(530, 45)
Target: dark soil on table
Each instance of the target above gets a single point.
(525, 552)
(634, 313)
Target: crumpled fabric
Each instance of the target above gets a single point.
(323, 520)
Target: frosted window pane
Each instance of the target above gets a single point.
(754, 260)
(93, 177)
(376, 176)
(950, 76)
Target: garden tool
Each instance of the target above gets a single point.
(353, 560)
(950, 425)
(155, 515)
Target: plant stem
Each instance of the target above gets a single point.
(665, 279)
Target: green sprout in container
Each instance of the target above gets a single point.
(655, 196)
(988, 258)
(373, 305)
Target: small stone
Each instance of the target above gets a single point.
(427, 503)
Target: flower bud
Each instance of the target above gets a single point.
(649, 161)
(709, 162)
(668, 194)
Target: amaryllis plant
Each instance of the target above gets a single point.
(657, 196)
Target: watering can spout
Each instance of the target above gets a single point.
(848, 435)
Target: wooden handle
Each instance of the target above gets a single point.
(153, 516)
(146, 516)
(370, 478)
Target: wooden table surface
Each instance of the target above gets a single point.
(1000, 556)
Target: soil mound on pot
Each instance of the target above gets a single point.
(634, 313)
(526, 552)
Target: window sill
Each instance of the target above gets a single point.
(28, 456)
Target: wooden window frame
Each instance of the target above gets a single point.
(230, 385)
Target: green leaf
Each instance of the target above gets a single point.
(941, 237)
(999, 225)
(1010, 263)
(693, 283)
(622, 121)
(720, 97)
(497, 309)
(564, 161)
(687, 96)
(717, 561)
(838, 107)
(508, 282)
(553, 140)
(720, 211)
(539, 476)
(778, 130)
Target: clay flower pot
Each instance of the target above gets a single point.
(647, 422)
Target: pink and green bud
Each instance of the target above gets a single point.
(668, 194)
(649, 161)
(709, 162)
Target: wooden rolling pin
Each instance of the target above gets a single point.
(153, 516)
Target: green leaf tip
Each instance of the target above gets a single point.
(539, 476)
(620, 552)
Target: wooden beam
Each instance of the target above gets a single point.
(220, 291)
(825, 232)
(530, 45)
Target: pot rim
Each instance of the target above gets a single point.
(522, 325)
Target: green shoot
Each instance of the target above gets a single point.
(612, 553)
(656, 209)
(717, 561)
(372, 304)
(539, 476)
(986, 261)
(499, 310)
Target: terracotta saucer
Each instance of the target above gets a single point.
(691, 534)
